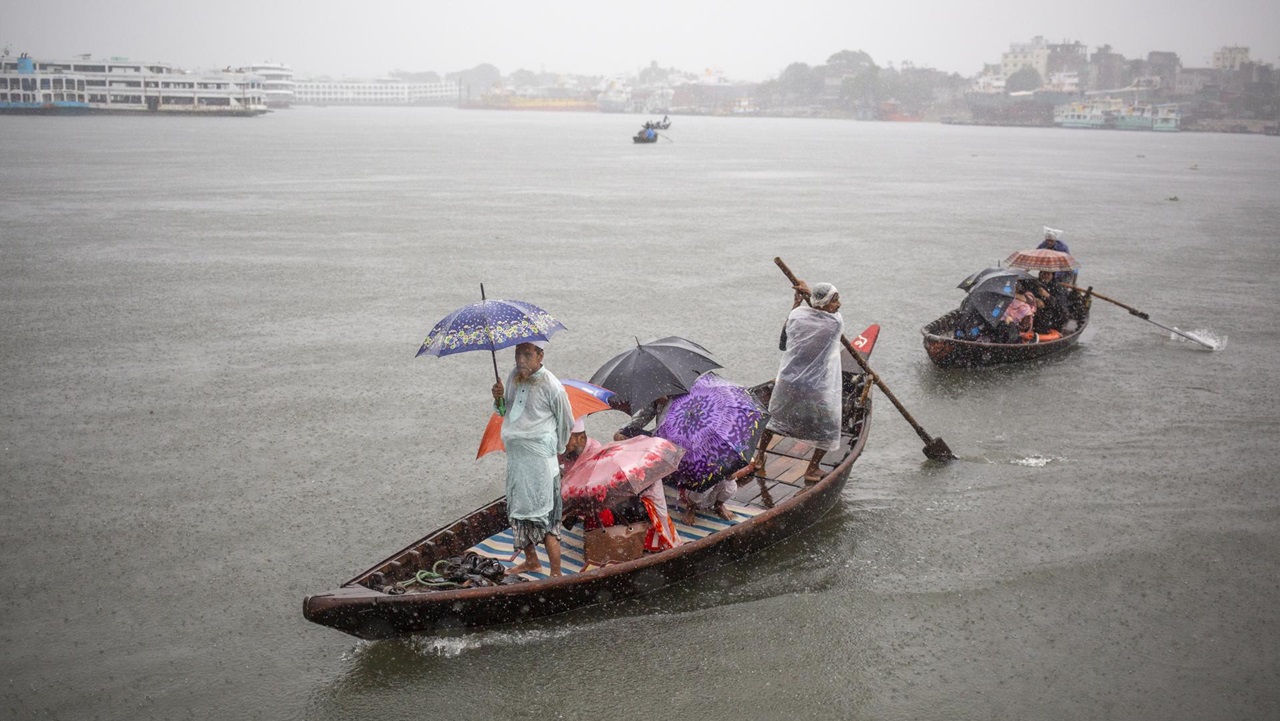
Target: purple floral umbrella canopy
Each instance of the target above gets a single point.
(718, 423)
(489, 325)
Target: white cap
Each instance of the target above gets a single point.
(1051, 233)
(822, 293)
(579, 426)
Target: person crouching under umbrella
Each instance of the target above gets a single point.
(536, 423)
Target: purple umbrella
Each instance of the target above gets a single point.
(718, 423)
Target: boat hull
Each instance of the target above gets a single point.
(49, 108)
(949, 352)
(358, 609)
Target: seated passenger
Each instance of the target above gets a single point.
(577, 446)
(619, 505)
(1052, 298)
(1019, 317)
(655, 412)
(713, 498)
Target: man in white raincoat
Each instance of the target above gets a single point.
(806, 401)
(536, 421)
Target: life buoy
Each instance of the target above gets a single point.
(1045, 337)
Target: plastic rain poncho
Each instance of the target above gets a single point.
(806, 398)
(535, 430)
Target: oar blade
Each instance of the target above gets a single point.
(937, 450)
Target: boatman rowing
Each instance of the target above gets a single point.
(536, 423)
(805, 402)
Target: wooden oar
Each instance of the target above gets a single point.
(1140, 314)
(934, 448)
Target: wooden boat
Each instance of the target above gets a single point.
(947, 351)
(644, 137)
(766, 509)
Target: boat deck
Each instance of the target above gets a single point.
(785, 463)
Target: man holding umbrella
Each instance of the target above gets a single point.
(536, 424)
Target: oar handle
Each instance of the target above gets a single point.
(1095, 294)
(787, 272)
(1147, 318)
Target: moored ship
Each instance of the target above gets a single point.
(1168, 118)
(277, 83)
(26, 90)
(1114, 114)
(616, 98)
(1091, 114)
(121, 86)
(1135, 117)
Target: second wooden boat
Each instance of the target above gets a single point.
(947, 351)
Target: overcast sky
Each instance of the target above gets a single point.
(747, 41)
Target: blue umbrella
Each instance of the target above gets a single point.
(489, 325)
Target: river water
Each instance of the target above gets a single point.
(211, 408)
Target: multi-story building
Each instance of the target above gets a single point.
(1192, 80)
(1108, 70)
(1034, 55)
(1164, 65)
(1068, 58)
(383, 91)
(1230, 58)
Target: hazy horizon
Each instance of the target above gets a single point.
(577, 37)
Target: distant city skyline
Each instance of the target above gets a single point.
(579, 37)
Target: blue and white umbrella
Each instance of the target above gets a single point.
(489, 325)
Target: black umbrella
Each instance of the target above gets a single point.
(663, 367)
(991, 291)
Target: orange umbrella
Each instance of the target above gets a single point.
(1052, 261)
(584, 398)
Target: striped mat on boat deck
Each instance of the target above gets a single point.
(571, 542)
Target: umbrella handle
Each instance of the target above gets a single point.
(493, 353)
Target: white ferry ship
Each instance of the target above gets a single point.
(615, 98)
(1114, 114)
(277, 83)
(1168, 118)
(1094, 114)
(26, 90)
(121, 86)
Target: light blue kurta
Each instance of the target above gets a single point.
(535, 429)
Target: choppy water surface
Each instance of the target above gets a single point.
(211, 408)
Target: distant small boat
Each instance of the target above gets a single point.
(649, 132)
